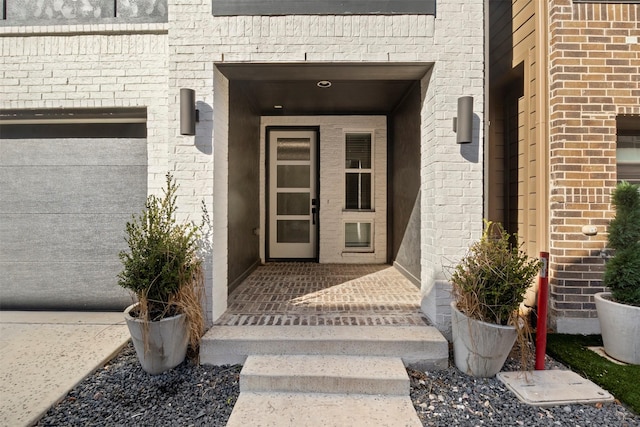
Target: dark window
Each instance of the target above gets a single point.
(37, 12)
(628, 149)
(358, 171)
(74, 123)
(322, 7)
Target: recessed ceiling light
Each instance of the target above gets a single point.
(323, 84)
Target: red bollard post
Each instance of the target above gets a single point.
(543, 300)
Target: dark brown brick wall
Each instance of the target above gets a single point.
(594, 75)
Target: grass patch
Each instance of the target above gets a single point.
(621, 381)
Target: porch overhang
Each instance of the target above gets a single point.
(292, 89)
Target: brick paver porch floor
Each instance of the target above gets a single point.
(298, 293)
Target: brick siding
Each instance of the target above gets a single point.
(594, 76)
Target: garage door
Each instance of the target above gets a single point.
(67, 188)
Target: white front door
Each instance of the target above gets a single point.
(293, 199)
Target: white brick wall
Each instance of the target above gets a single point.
(451, 174)
(453, 42)
(217, 276)
(146, 65)
(96, 69)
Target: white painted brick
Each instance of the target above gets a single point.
(133, 68)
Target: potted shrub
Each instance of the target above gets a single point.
(162, 268)
(619, 310)
(488, 285)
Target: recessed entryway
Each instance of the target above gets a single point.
(370, 107)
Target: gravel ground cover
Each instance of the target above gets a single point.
(122, 394)
(450, 398)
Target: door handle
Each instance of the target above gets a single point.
(313, 216)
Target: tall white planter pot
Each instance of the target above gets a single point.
(620, 327)
(480, 348)
(168, 340)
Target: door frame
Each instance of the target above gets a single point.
(268, 129)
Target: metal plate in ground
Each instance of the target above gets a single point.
(553, 387)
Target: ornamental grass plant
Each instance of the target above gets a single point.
(489, 285)
(490, 282)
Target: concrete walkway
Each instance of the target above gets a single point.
(43, 355)
(324, 345)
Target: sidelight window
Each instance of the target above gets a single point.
(358, 171)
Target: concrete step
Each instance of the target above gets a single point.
(324, 374)
(322, 410)
(421, 347)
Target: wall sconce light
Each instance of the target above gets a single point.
(188, 113)
(463, 124)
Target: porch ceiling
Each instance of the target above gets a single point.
(355, 89)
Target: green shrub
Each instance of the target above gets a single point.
(622, 272)
(489, 283)
(163, 254)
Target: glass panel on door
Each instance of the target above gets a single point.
(293, 204)
(294, 149)
(296, 231)
(292, 194)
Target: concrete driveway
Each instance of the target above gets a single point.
(43, 355)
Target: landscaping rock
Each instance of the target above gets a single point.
(121, 393)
